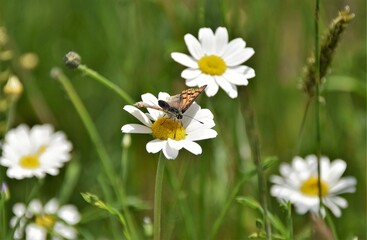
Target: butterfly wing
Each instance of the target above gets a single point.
(188, 97)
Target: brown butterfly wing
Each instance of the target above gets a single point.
(184, 100)
(188, 97)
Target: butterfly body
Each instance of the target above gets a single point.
(175, 106)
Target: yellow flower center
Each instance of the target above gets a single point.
(32, 161)
(45, 220)
(212, 65)
(310, 187)
(165, 128)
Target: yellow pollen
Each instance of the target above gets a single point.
(46, 221)
(165, 128)
(32, 161)
(212, 65)
(310, 187)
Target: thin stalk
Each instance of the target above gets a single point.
(332, 226)
(254, 141)
(228, 203)
(104, 81)
(11, 113)
(302, 127)
(158, 196)
(4, 221)
(91, 128)
(122, 197)
(317, 102)
(290, 220)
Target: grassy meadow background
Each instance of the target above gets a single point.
(130, 42)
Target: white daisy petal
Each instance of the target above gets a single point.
(233, 46)
(177, 145)
(189, 73)
(67, 232)
(333, 207)
(163, 96)
(19, 209)
(51, 206)
(155, 145)
(336, 170)
(138, 114)
(235, 78)
(344, 185)
(70, 214)
(35, 232)
(136, 128)
(151, 100)
(202, 134)
(206, 37)
(221, 40)
(169, 152)
(228, 87)
(246, 71)
(194, 47)
(185, 60)
(212, 88)
(239, 57)
(193, 147)
(201, 80)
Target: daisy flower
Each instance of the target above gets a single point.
(171, 135)
(215, 62)
(34, 152)
(298, 184)
(50, 221)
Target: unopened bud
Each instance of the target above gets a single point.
(5, 191)
(126, 140)
(13, 87)
(72, 60)
(29, 61)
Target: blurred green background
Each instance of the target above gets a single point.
(130, 42)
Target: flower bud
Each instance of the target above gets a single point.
(13, 87)
(72, 60)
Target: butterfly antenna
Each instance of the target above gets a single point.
(194, 119)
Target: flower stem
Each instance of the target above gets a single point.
(3, 220)
(88, 123)
(107, 83)
(158, 196)
(332, 226)
(11, 113)
(317, 102)
(254, 141)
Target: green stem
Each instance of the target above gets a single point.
(228, 203)
(254, 141)
(317, 102)
(88, 123)
(104, 81)
(122, 197)
(332, 226)
(11, 113)
(158, 196)
(290, 221)
(300, 133)
(4, 221)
